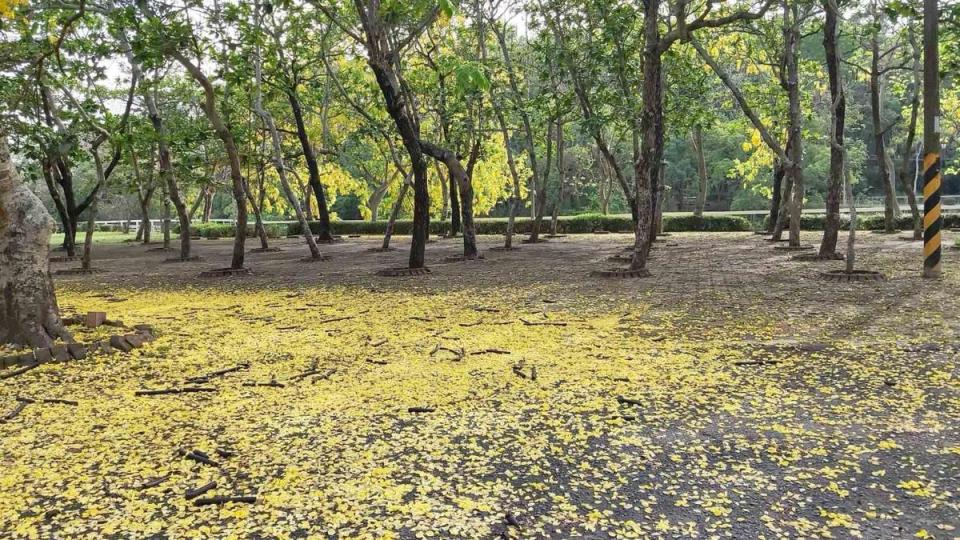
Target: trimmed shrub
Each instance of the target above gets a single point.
(581, 224)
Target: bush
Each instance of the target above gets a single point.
(584, 223)
(706, 223)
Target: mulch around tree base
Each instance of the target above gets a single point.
(857, 275)
(802, 247)
(174, 260)
(321, 258)
(225, 272)
(621, 273)
(64, 259)
(265, 250)
(403, 272)
(621, 258)
(504, 248)
(816, 257)
(78, 271)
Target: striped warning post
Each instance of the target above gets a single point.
(931, 215)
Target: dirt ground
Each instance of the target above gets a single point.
(732, 394)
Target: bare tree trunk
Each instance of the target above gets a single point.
(906, 178)
(395, 212)
(776, 199)
(514, 176)
(792, 84)
(539, 194)
(278, 163)
(838, 107)
(561, 177)
(29, 315)
(165, 226)
(701, 171)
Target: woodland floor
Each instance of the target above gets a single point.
(853, 432)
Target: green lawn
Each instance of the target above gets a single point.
(99, 238)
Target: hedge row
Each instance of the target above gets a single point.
(586, 223)
(213, 230)
(873, 222)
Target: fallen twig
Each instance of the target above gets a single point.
(421, 410)
(272, 384)
(250, 499)
(491, 351)
(629, 401)
(198, 456)
(756, 362)
(459, 353)
(198, 491)
(14, 373)
(183, 390)
(378, 343)
(377, 362)
(206, 378)
(335, 319)
(154, 482)
(49, 400)
(543, 323)
(16, 411)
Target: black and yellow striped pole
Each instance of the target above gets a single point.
(931, 142)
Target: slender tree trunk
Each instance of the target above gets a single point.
(456, 224)
(165, 226)
(324, 232)
(514, 205)
(395, 212)
(776, 199)
(906, 178)
(701, 171)
(539, 194)
(278, 163)
(838, 107)
(561, 177)
(29, 315)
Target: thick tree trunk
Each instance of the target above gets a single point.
(456, 224)
(697, 137)
(461, 182)
(29, 315)
(651, 128)
(792, 83)
(831, 228)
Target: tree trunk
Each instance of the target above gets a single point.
(29, 315)
(792, 83)
(651, 129)
(776, 198)
(324, 232)
(838, 100)
(395, 212)
(561, 177)
(456, 225)
(461, 181)
(879, 133)
(701, 171)
(514, 205)
(539, 194)
(165, 226)
(906, 178)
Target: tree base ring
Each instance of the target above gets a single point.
(621, 273)
(621, 258)
(816, 257)
(265, 250)
(461, 258)
(403, 272)
(225, 272)
(841, 276)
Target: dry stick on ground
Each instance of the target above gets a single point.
(272, 384)
(16, 411)
(491, 351)
(421, 409)
(377, 362)
(335, 319)
(198, 491)
(57, 401)
(378, 343)
(323, 374)
(153, 482)
(542, 323)
(220, 373)
(198, 456)
(459, 353)
(11, 374)
(184, 390)
(250, 499)
(756, 362)
(629, 401)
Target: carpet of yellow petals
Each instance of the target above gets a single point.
(550, 416)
